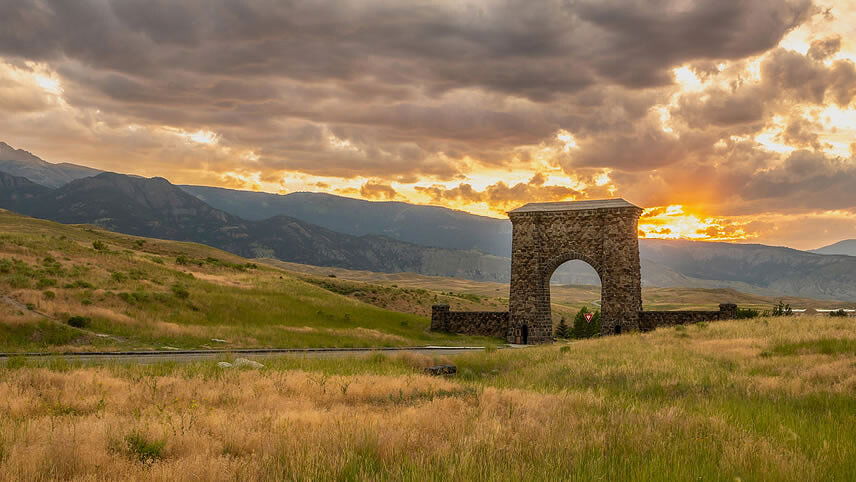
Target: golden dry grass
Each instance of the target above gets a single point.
(709, 402)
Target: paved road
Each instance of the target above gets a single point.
(156, 356)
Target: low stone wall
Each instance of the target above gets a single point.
(648, 320)
(482, 323)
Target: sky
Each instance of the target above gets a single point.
(725, 119)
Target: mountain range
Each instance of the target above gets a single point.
(155, 208)
(846, 247)
(328, 230)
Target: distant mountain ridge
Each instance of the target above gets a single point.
(155, 208)
(846, 247)
(426, 225)
(21, 163)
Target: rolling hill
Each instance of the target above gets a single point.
(76, 288)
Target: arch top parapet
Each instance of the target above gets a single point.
(574, 206)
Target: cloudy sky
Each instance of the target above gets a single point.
(728, 119)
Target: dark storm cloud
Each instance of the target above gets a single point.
(809, 80)
(721, 107)
(807, 179)
(402, 90)
(641, 39)
(502, 194)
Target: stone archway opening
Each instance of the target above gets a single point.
(573, 281)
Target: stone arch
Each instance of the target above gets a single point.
(546, 235)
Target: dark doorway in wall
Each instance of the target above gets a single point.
(524, 334)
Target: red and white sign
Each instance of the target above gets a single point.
(588, 316)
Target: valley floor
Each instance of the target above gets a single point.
(762, 399)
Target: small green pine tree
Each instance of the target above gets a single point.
(594, 326)
(583, 328)
(563, 331)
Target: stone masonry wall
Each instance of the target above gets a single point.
(649, 320)
(482, 323)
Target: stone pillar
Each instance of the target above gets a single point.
(529, 296)
(620, 276)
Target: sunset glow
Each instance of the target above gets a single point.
(750, 139)
(671, 222)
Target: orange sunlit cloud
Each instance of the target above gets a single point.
(672, 222)
(750, 139)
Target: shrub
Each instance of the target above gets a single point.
(183, 260)
(563, 331)
(19, 281)
(583, 328)
(140, 243)
(49, 295)
(79, 284)
(782, 309)
(78, 321)
(43, 283)
(137, 297)
(119, 277)
(743, 313)
(99, 245)
(180, 291)
(142, 449)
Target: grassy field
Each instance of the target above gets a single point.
(763, 399)
(77, 288)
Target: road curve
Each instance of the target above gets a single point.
(156, 356)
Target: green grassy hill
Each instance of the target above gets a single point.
(126, 292)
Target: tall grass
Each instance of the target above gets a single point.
(716, 403)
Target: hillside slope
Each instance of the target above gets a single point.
(131, 293)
